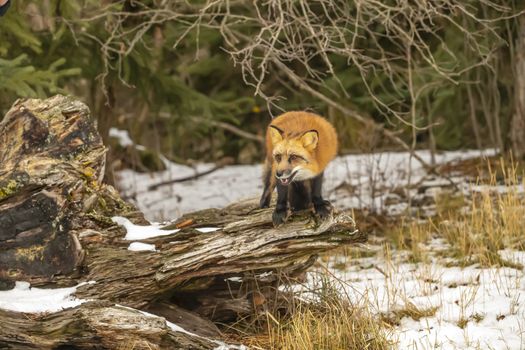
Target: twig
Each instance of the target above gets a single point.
(223, 162)
(232, 128)
(353, 114)
(432, 169)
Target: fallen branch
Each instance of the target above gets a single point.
(232, 128)
(219, 165)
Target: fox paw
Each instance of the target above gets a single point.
(323, 209)
(279, 217)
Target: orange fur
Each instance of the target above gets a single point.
(299, 146)
(294, 125)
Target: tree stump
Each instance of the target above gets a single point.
(56, 230)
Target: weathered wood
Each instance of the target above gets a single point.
(94, 325)
(56, 230)
(51, 167)
(247, 241)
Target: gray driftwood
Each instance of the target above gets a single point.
(56, 230)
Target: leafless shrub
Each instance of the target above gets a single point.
(300, 43)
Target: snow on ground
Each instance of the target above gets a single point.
(124, 139)
(475, 308)
(24, 298)
(352, 181)
(215, 190)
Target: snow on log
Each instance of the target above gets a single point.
(61, 226)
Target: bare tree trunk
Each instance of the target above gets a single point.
(517, 129)
(473, 119)
(104, 109)
(431, 137)
(485, 107)
(472, 105)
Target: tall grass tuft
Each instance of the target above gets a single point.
(330, 322)
(412, 236)
(494, 220)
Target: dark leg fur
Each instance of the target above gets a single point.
(269, 185)
(297, 196)
(281, 209)
(322, 207)
(300, 195)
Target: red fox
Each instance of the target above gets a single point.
(299, 146)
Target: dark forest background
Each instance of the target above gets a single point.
(199, 80)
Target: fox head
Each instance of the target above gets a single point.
(293, 155)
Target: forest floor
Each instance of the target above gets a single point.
(443, 268)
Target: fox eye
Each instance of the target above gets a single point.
(295, 157)
(278, 158)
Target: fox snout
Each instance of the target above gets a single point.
(285, 176)
(281, 173)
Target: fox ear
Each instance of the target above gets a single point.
(276, 134)
(310, 139)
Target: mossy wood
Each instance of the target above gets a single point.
(56, 230)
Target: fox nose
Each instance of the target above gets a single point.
(282, 173)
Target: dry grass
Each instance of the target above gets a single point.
(329, 325)
(494, 220)
(334, 326)
(409, 310)
(477, 224)
(412, 236)
(327, 321)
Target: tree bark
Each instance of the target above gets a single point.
(56, 230)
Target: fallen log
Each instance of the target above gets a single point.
(56, 229)
(96, 325)
(245, 241)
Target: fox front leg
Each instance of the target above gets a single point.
(269, 186)
(281, 208)
(322, 207)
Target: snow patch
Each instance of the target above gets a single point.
(234, 279)
(139, 247)
(207, 229)
(137, 232)
(476, 307)
(122, 137)
(24, 298)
